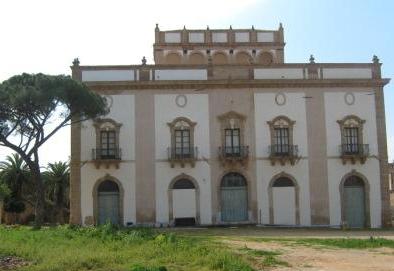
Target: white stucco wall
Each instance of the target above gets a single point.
(126, 176)
(347, 73)
(242, 36)
(196, 109)
(196, 37)
(336, 109)
(219, 37)
(266, 110)
(172, 37)
(278, 73)
(195, 74)
(122, 111)
(165, 174)
(108, 75)
(265, 36)
(265, 173)
(370, 170)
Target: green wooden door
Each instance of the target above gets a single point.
(108, 207)
(234, 203)
(355, 206)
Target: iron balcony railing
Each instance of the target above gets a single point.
(234, 152)
(354, 149)
(283, 150)
(182, 153)
(107, 154)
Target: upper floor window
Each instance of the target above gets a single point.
(282, 148)
(352, 141)
(107, 141)
(233, 146)
(182, 141)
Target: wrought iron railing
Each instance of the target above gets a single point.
(354, 149)
(182, 153)
(283, 150)
(234, 152)
(107, 154)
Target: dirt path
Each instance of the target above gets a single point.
(324, 259)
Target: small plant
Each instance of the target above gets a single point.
(143, 268)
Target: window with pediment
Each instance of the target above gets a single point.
(282, 148)
(352, 142)
(107, 141)
(233, 146)
(182, 147)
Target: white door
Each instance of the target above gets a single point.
(184, 203)
(284, 205)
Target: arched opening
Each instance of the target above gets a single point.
(354, 202)
(184, 202)
(219, 59)
(265, 58)
(234, 198)
(196, 58)
(173, 59)
(284, 201)
(243, 58)
(108, 202)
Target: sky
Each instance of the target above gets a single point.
(46, 35)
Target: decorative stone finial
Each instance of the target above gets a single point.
(143, 60)
(312, 59)
(207, 27)
(280, 26)
(184, 27)
(231, 28)
(157, 27)
(375, 59)
(76, 62)
(252, 27)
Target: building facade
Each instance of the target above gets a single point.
(220, 130)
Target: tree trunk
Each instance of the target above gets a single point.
(40, 195)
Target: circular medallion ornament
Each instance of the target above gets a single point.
(349, 98)
(181, 100)
(280, 99)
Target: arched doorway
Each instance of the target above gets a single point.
(184, 202)
(354, 202)
(284, 201)
(234, 198)
(108, 202)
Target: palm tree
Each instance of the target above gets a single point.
(56, 180)
(14, 174)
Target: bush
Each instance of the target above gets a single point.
(142, 268)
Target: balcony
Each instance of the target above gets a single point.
(284, 153)
(234, 154)
(354, 153)
(107, 157)
(182, 156)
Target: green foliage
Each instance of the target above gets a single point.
(353, 243)
(13, 205)
(269, 257)
(4, 191)
(108, 247)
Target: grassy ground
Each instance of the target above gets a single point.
(107, 248)
(104, 248)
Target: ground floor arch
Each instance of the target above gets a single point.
(354, 190)
(284, 200)
(108, 201)
(234, 198)
(184, 201)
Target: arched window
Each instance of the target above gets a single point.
(183, 184)
(173, 58)
(233, 179)
(219, 58)
(243, 58)
(352, 142)
(265, 58)
(196, 58)
(283, 182)
(108, 186)
(182, 140)
(354, 181)
(107, 140)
